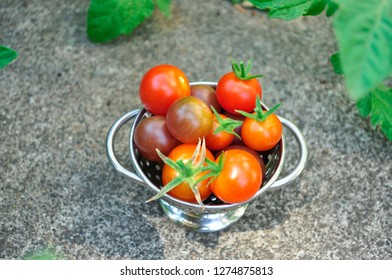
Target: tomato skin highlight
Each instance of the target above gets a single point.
(233, 93)
(161, 86)
(189, 119)
(240, 178)
(262, 136)
(152, 133)
(184, 152)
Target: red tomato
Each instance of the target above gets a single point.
(249, 150)
(184, 152)
(240, 178)
(261, 135)
(219, 140)
(161, 86)
(189, 119)
(236, 94)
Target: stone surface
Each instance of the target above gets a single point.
(59, 98)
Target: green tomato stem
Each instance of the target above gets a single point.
(227, 125)
(241, 71)
(214, 168)
(260, 115)
(188, 172)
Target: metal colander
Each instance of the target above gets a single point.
(215, 215)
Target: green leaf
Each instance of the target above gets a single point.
(7, 55)
(262, 4)
(108, 19)
(290, 9)
(335, 61)
(332, 7)
(364, 105)
(378, 104)
(316, 8)
(364, 33)
(164, 6)
(46, 254)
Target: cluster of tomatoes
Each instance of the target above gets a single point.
(209, 138)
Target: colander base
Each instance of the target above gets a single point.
(202, 222)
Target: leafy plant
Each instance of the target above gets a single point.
(236, 1)
(108, 19)
(7, 55)
(292, 9)
(378, 104)
(44, 254)
(363, 30)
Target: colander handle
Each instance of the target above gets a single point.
(303, 156)
(111, 137)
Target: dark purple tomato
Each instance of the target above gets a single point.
(207, 94)
(189, 119)
(152, 133)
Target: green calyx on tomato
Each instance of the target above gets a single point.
(215, 167)
(259, 114)
(239, 176)
(237, 89)
(262, 130)
(225, 124)
(243, 72)
(189, 172)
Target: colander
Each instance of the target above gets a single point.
(215, 215)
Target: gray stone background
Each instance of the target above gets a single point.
(59, 98)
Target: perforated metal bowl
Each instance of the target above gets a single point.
(215, 215)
